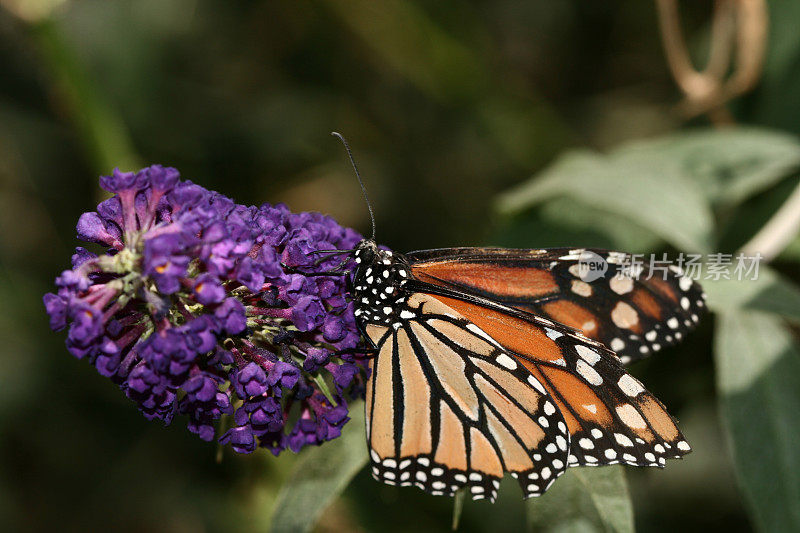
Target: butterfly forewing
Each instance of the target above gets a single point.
(611, 417)
(629, 307)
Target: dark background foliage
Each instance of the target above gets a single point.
(446, 104)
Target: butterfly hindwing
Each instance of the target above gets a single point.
(447, 408)
(627, 306)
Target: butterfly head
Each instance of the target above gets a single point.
(378, 283)
(365, 252)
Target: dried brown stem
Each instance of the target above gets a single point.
(742, 23)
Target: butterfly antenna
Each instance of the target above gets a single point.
(361, 183)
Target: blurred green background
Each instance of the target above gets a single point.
(446, 105)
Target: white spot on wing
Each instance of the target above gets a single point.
(581, 288)
(553, 334)
(478, 331)
(624, 316)
(536, 385)
(630, 385)
(630, 416)
(587, 354)
(622, 440)
(506, 361)
(621, 285)
(588, 373)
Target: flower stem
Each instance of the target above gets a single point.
(100, 128)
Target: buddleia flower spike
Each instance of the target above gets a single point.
(200, 307)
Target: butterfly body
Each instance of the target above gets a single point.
(473, 378)
(378, 284)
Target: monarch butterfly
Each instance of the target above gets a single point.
(493, 360)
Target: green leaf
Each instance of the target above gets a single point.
(571, 223)
(323, 387)
(791, 252)
(584, 499)
(737, 227)
(620, 232)
(320, 476)
(730, 165)
(672, 207)
(758, 377)
(458, 507)
(770, 292)
(667, 185)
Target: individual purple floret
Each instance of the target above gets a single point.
(201, 307)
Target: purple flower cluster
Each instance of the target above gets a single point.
(202, 307)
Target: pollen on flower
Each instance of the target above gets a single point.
(191, 311)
